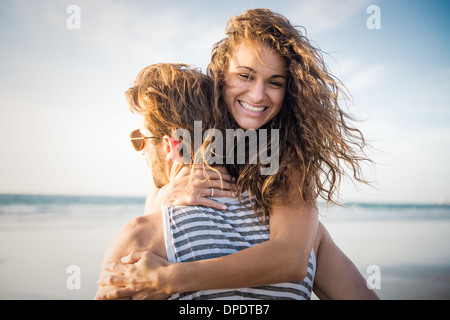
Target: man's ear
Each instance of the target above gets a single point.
(170, 147)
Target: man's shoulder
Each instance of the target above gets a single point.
(142, 229)
(145, 220)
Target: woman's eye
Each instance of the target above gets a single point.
(244, 76)
(276, 84)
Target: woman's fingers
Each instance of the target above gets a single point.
(204, 173)
(133, 257)
(211, 204)
(203, 198)
(117, 294)
(213, 182)
(114, 267)
(197, 186)
(219, 180)
(219, 193)
(112, 280)
(221, 185)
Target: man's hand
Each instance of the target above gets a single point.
(140, 275)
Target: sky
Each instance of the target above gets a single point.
(65, 124)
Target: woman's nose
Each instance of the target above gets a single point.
(257, 92)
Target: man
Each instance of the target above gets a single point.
(170, 97)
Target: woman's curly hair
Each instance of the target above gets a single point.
(315, 136)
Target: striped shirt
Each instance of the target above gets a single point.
(195, 233)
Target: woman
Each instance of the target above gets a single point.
(267, 75)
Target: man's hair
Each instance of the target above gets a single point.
(170, 97)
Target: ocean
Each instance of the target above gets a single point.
(17, 209)
(58, 208)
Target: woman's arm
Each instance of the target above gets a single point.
(336, 276)
(282, 258)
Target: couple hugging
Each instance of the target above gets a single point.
(241, 221)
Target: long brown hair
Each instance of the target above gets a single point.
(316, 139)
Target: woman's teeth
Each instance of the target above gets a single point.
(251, 108)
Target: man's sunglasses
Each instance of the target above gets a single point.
(138, 140)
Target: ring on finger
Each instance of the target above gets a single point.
(212, 192)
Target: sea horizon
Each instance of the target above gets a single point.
(365, 203)
(59, 206)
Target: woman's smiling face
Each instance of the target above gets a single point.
(256, 84)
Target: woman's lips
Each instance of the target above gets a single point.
(250, 108)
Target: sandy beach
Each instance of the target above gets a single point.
(412, 256)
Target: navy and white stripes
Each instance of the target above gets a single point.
(194, 233)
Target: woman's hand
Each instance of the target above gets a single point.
(194, 188)
(141, 276)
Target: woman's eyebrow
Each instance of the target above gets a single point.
(254, 71)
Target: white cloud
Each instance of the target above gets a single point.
(365, 77)
(144, 32)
